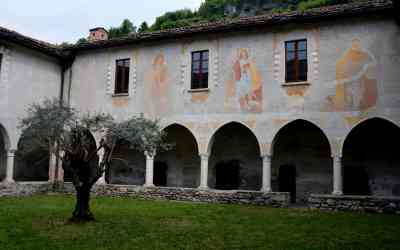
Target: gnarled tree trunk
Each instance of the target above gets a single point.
(82, 207)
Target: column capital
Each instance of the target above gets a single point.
(150, 155)
(336, 156)
(266, 156)
(204, 155)
(11, 152)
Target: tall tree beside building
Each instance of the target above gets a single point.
(66, 133)
(143, 27)
(124, 29)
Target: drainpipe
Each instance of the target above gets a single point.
(65, 64)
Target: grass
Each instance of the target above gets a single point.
(40, 223)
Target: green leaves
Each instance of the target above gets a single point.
(51, 122)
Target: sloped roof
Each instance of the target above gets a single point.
(352, 9)
(41, 46)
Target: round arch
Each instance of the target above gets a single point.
(211, 137)
(4, 147)
(234, 158)
(370, 158)
(289, 123)
(185, 128)
(179, 166)
(301, 160)
(4, 136)
(362, 121)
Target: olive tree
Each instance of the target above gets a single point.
(66, 133)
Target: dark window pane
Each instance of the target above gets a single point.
(122, 76)
(196, 56)
(199, 69)
(290, 46)
(302, 55)
(205, 55)
(204, 65)
(302, 45)
(290, 56)
(196, 65)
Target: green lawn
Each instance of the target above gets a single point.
(40, 223)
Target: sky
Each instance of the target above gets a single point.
(58, 21)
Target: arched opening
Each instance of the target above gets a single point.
(301, 162)
(180, 166)
(31, 161)
(371, 159)
(235, 162)
(90, 142)
(3, 153)
(128, 166)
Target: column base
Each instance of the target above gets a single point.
(8, 181)
(338, 193)
(149, 185)
(203, 188)
(266, 190)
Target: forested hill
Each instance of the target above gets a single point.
(213, 10)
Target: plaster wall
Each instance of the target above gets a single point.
(26, 77)
(352, 76)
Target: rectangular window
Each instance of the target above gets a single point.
(199, 70)
(122, 76)
(296, 61)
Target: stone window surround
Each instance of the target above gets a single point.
(186, 60)
(111, 74)
(279, 54)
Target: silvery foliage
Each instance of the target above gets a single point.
(51, 122)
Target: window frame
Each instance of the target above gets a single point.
(296, 60)
(126, 65)
(203, 83)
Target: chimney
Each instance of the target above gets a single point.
(98, 34)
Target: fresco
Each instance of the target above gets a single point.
(244, 90)
(157, 87)
(356, 84)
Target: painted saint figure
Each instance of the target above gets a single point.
(356, 84)
(157, 82)
(248, 89)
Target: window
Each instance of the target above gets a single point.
(296, 61)
(199, 70)
(122, 76)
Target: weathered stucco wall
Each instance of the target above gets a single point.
(352, 76)
(26, 77)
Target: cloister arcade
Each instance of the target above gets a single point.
(301, 161)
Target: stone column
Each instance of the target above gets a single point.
(60, 176)
(204, 171)
(337, 175)
(10, 166)
(52, 167)
(149, 170)
(102, 180)
(266, 174)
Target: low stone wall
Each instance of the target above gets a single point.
(355, 203)
(188, 194)
(24, 189)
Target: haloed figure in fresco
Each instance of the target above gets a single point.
(248, 87)
(356, 84)
(158, 80)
